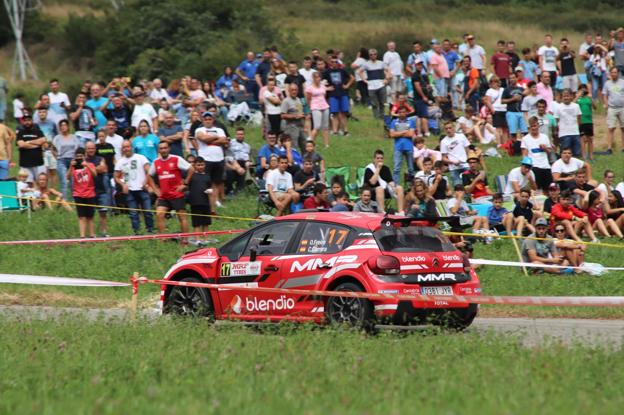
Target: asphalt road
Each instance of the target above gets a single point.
(531, 331)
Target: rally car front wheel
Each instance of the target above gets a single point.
(189, 301)
(350, 311)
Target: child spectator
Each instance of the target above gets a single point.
(83, 174)
(500, 219)
(587, 106)
(200, 187)
(524, 209)
(439, 188)
(342, 203)
(366, 204)
(457, 206)
(317, 160)
(421, 152)
(553, 198)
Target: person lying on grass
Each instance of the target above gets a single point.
(544, 252)
(572, 218)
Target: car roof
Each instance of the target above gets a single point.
(370, 221)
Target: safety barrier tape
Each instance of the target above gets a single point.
(466, 299)
(476, 261)
(534, 238)
(130, 209)
(118, 238)
(60, 281)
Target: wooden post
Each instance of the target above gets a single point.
(135, 295)
(515, 244)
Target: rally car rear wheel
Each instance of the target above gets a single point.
(457, 318)
(354, 312)
(189, 301)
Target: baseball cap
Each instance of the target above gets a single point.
(207, 114)
(27, 116)
(553, 186)
(518, 69)
(434, 41)
(527, 161)
(541, 222)
(417, 61)
(620, 29)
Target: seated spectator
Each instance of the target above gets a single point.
(317, 160)
(620, 187)
(341, 203)
(553, 198)
(426, 172)
(418, 204)
(265, 152)
(571, 250)
(337, 186)
(500, 219)
(607, 183)
(46, 195)
(564, 169)
(421, 152)
(598, 217)
(237, 162)
(457, 206)
(543, 252)
(475, 181)
(439, 187)
(580, 188)
(524, 209)
(366, 204)
(279, 184)
(318, 198)
(305, 179)
(469, 124)
(615, 208)
(520, 178)
(402, 131)
(273, 163)
(286, 148)
(378, 177)
(573, 219)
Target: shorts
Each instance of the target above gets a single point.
(200, 220)
(172, 204)
(466, 220)
(516, 122)
(49, 161)
(103, 199)
(499, 119)
(215, 169)
(320, 119)
(615, 116)
(339, 104)
(498, 227)
(421, 108)
(85, 211)
(587, 129)
(441, 87)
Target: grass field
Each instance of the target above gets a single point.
(112, 367)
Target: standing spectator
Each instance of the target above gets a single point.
(569, 115)
(210, 141)
(170, 189)
(598, 64)
(493, 101)
(6, 150)
(512, 98)
(565, 65)
(511, 52)
(453, 61)
(530, 100)
(49, 130)
(476, 54)
(59, 102)
(82, 174)
(121, 114)
(272, 98)
(422, 97)
(539, 249)
(200, 187)
(529, 67)
(158, 93)
(279, 184)
(145, 143)
(376, 75)
(30, 142)
(366, 204)
(392, 60)
(102, 183)
(307, 71)
(18, 107)
(131, 172)
(584, 54)
(613, 98)
(315, 95)
(545, 90)
(106, 150)
(172, 133)
(144, 111)
(338, 84)
(454, 152)
(377, 176)
(64, 146)
(293, 116)
(547, 122)
(472, 81)
(501, 63)
(537, 146)
(83, 117)
(238, 159)
(616, 44)
(403, 130)
(548, 54)
(587, 105)
(246, 71)
(441, 73)
(417, 54)
(360, 83)
(520, 178)
(113, 138)
(4, 90)
(263, 69)
(96, 102)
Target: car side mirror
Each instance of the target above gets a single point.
(253, 254)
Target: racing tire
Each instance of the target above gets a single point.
(189, 301)
(457, 318)
(353, 312)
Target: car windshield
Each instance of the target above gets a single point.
(412, 239)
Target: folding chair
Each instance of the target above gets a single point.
(331, 172)
(12, 204)
(501, 183)
(354, 188)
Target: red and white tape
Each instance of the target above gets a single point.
(477, 261)
(59, 281)
(476, 299)
(117, 238)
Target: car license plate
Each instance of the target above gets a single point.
(444, 290)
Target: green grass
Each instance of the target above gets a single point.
(177, 367)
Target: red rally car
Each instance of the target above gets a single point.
(331, 251)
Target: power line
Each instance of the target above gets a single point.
(16, 10)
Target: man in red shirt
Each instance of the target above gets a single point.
(82, 175)
(571, 217)
(170, 189)
(501, 63)
(401, 102)
(475, 180)
(318, 199)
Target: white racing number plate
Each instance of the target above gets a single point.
(442, 290)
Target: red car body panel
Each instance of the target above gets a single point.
(304, 268)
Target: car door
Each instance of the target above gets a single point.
(271, 242)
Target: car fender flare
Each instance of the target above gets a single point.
(340, 272)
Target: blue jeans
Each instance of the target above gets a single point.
(4, 169)
(597, 84)
(398, 160)
(61, 169)
(573, 142)
(456, 176)
(140, 199)
(3, 108)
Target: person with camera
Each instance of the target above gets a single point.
(82, 175)
(305, 179)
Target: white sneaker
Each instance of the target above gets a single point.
(219, 204)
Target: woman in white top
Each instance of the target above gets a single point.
(273, 105)
(598, 64)
(361, 93)
(537, 146)
(493, 101)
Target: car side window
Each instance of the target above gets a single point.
(234, 249)
(323, 238)
(272, 239)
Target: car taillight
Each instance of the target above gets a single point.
(384, 265)
(466, 264)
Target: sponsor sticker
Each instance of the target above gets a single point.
(388, 291)
(239, 269)
(252, 304)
